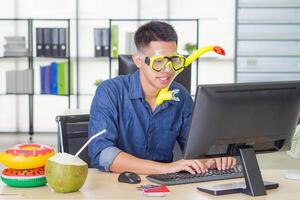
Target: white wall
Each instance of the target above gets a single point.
(7, 9)
(216, 27)
(108, 9)
(45, 9)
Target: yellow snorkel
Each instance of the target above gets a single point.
(164, 94)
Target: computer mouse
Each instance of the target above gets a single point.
(129, 177)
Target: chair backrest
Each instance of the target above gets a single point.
(127, 66)
(73, 131)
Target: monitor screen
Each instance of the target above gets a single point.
(228, 116)
(127, 66)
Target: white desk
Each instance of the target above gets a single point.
(101, 185)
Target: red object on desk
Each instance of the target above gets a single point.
(159, 189)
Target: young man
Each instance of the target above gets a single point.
(140, 135)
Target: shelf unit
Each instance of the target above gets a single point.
(32, 60)
(267, 40)
(84, 62)
(17, 59)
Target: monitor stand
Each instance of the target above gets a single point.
(253, 185)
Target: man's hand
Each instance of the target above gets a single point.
(192, 166)
(221, 163)
(200, 166)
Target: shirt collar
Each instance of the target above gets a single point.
(136, 91)
(135, 88)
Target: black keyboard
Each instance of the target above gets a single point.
(186, 177)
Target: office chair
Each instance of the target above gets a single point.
(127, 66)
(73, 131)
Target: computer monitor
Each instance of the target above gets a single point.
(241, 120)
(127, 66)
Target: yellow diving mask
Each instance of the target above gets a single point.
(159, 63)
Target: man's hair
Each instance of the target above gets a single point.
(154, 31)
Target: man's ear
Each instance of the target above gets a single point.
(137, 60)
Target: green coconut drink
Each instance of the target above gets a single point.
(65, 172)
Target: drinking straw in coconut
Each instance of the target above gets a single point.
(61, 138)
(93, 137)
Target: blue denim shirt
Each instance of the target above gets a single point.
(119, 106)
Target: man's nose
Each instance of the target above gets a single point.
(168, 66)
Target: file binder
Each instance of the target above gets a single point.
(14, 82)
(19, 81)
(8, 77)
(129, 43)
(42, 79)
(39, 42)
(28, 74)
(47, 42)
(62, 39)
(47, 79)
(53, 78)
(105, 42)
(98, 42)
(62, 78)
(114, 41)
(54, 44)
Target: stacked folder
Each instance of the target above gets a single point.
(15, 46)
(19, 82)
(101, 39)
(54, 78)
(129, 43)
(51, 42)
(114, 41)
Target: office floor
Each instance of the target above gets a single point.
(280, 160)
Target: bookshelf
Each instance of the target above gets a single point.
(32, 96)
(19, 28)
(81, 56)
(267, 40)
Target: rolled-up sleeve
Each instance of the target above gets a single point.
(103, 115)
(107, 156)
